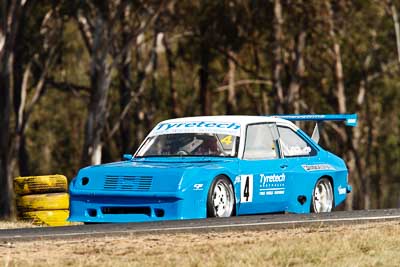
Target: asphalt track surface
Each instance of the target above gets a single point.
(240, 223)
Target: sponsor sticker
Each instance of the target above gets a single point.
(229, 128)
(273, 184)
(318, 167)
(342, 190)
(197, 187)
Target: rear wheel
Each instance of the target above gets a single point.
(322, 198)
(220, 200)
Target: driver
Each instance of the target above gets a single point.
(201, 145)
(191, 146)
(208, 147)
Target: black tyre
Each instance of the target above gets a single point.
(322, 197)
(220, 199)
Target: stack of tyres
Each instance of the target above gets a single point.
(43, 199)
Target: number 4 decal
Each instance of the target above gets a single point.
(227, 140)
(246, 188)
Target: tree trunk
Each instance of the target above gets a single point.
(100, 73)
(141, 74)
(340, 91)
(23, 157)
(277, 64)
(338, 66)
(20, 79)
(6, 186)
(264, 108)
(231, 103)
(15, 74)
(125, 86)
(8, 33)
(356, 169)
(125, 95)
(205, 95)
(299, 70)
(154, 95)
(173, 94)
(396, 23)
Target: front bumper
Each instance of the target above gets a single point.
(120, 207)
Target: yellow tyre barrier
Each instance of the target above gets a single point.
(46, 217)
(53, 201)
(40, 184)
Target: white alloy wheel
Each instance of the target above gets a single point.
(220, 198)
(322, 199)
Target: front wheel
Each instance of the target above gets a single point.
(220, 199)
(322, 198)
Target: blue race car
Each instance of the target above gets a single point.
(215, 166)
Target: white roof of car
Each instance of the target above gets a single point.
(227, 124)
(241, 119)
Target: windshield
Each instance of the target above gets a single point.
(190, 144)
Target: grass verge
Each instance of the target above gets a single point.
(16, 224)
(375, 244)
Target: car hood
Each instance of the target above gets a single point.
(144, 174)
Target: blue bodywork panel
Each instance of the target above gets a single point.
(176, 187)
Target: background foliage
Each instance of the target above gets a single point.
(82, 82)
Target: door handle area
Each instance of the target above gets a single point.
(284, 166)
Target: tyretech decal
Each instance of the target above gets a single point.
(272, 184)
(231, 128)
(318, 167)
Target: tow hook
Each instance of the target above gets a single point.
(301, 199)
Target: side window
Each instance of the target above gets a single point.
(259, 143)
(293, 145)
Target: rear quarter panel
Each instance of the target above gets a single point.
(306, 171)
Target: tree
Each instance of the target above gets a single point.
(11, 12)
(98, 26)
(23, 73)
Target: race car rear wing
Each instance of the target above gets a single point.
(349, 119)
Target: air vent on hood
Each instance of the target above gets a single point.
(128, 183)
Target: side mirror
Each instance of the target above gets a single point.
(127, 156)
